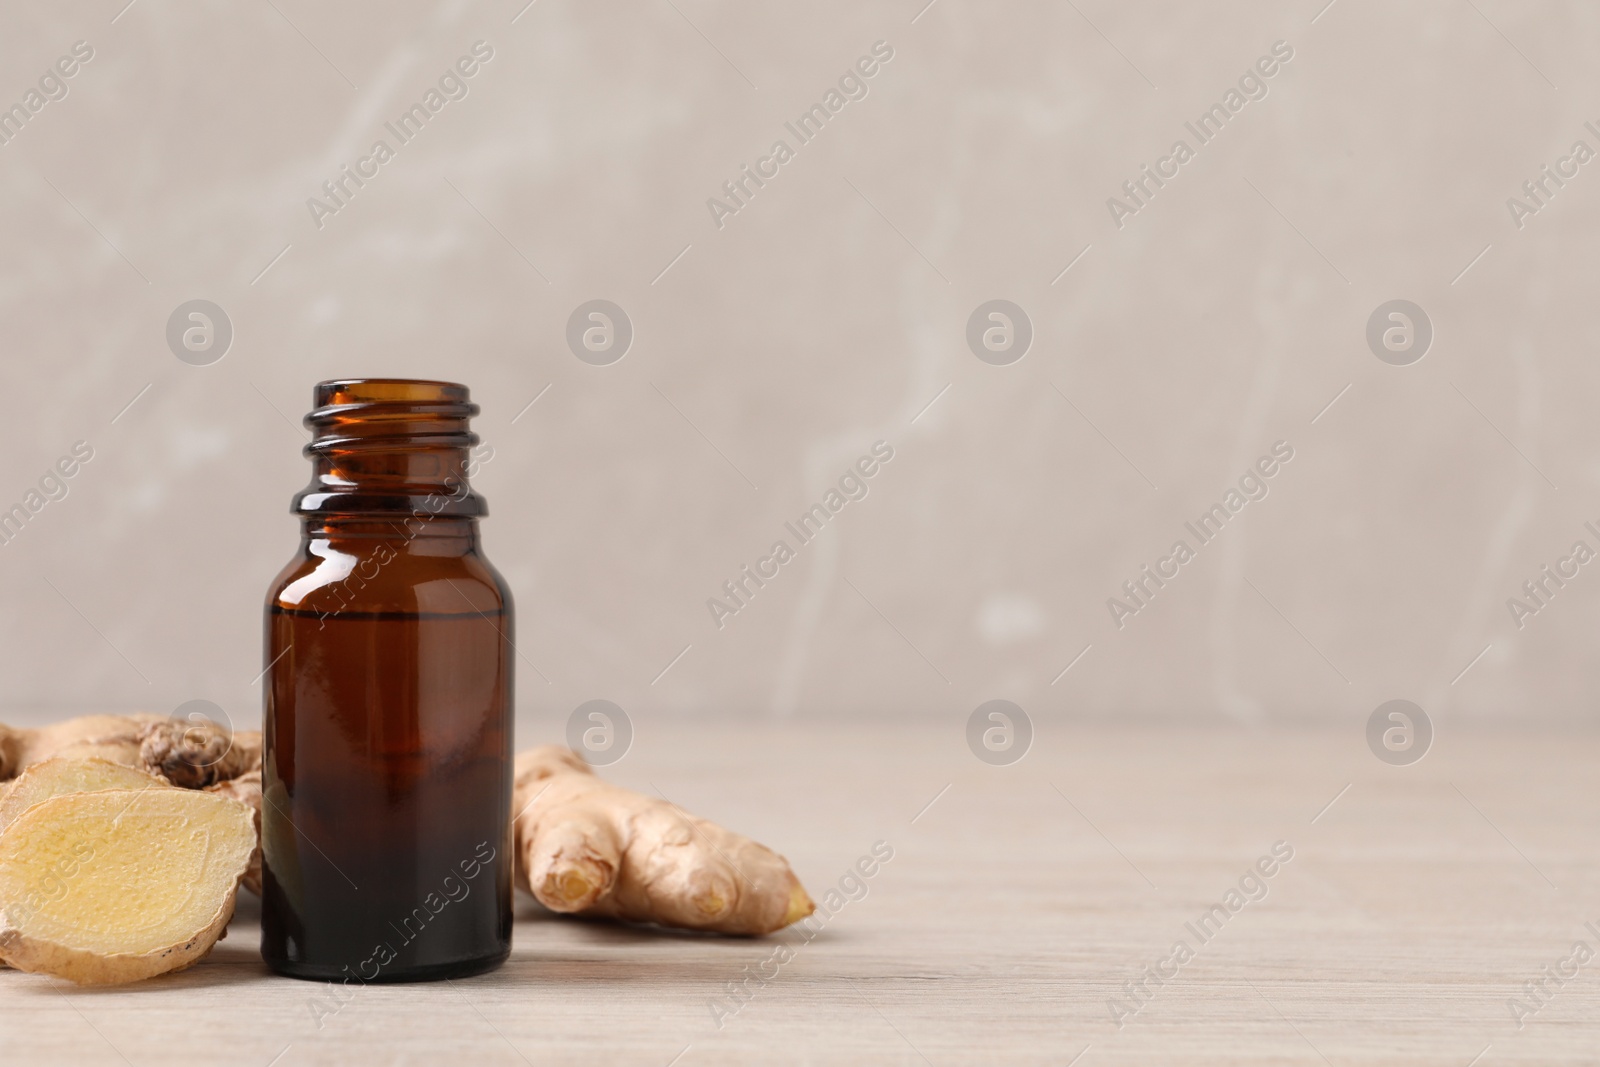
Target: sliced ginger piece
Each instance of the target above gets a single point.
(119, 885)
(247, 789)
(66, 775)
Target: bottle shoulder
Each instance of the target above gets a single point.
(383, 576)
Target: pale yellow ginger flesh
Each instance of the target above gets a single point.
(66, 775)
(586, 847)
(245, 788)
(118, 885)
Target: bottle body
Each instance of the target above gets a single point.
(386, 772)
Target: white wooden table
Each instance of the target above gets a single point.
(1414, 908)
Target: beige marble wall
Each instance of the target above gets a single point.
(1176, 340)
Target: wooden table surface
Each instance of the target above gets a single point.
(1414, 909)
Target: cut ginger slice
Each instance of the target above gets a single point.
(119, 885)
(66, 775)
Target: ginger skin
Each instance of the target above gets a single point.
(586, 847)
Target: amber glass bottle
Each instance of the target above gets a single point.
(386, 778)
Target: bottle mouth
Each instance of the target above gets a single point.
(386, 444)
(344, 391)
(356, 414)
(354, 410)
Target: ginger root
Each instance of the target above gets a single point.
(586, 847)
(117, 885)
(188, 754)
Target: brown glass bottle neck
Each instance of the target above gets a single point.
(391, 448)
(438, 532)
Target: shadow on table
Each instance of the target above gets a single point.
(236, 959)
(527, 911)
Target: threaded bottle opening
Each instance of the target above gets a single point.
(388, 445)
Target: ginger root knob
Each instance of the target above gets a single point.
(587, 847)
